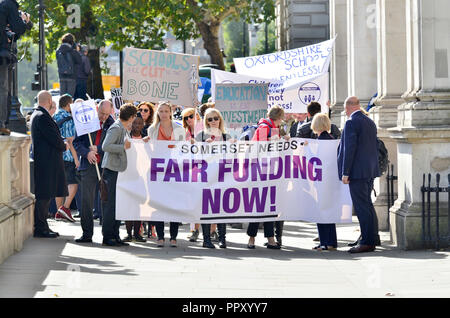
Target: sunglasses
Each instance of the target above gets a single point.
(145, 110)
(210, 119)
(190, 116)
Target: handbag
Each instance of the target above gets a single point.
(103, 186)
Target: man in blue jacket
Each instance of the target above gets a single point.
(358, 167)
(89, 179)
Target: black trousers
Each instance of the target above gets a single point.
(252, 229)
(173, 230)
(360, 190)
(279, 229)
(221, 227)
(4, 85)
(110, 226)
(40, 215)
(88, 184)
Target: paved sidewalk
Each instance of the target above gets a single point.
(62, 268)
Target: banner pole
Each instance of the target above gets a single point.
(96, 164)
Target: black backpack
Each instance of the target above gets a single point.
(65, 63)
(383, 156)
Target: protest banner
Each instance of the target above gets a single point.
(292, 66)
(294, 98)
(154, 76)
(241, 104)
(86, 121)
(117, 100)
(85, 117)
(233, 182)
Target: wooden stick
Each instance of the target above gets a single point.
(96, 164)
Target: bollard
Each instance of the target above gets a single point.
(423, 210)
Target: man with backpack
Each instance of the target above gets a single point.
(68, 60)
(66, 127)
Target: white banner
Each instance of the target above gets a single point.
(85, 117)
(155, 76)
(241, 104)
(294, 98)
(292, 66)
(233, 182)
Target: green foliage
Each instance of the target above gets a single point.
(233, 38)
(271, 40)
(122, 22)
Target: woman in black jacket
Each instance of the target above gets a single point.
(321, 126)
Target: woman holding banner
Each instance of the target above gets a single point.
(164, 128)
(147, 113)
(268, 129)
(321, 126)
(214, 131)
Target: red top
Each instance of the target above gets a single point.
(162, 136)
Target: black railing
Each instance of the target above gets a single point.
(390, 178)
(426, 209)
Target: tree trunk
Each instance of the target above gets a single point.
(95, 84)
(210, 36)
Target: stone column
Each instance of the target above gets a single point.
(338, 66)
(362, 50)
(391, 47)
(423, 126)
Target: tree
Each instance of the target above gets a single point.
(191, 18)
(122, 22)
(232, 36)
(271, 40)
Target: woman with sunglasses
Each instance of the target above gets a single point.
(164, 128)
(188, 116)
(147, 114)
(214, 131)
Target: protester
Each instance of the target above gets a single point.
(89, 157)
(300, 119)
(188, 116)
(201, 113)
(357, 167)
(17, 22)
(268, 129)
(147, 112)
(135, 226)
(66, 127)
(49, 176)
(83, 71)
(305, 130)
(321, 126)
(115, 161)
(164, 128)
(214, 131)
(68, 60)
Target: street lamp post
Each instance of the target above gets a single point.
(42, 62)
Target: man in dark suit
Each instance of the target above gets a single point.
(300, 119)
(89, 156)
(357, 167)
(49, 175)
(305, 131)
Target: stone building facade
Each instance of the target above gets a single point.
(401, 50)
(301, 23)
